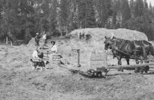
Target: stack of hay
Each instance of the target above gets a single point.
(31, 43)
(96, 42)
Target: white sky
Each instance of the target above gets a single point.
(152, 2)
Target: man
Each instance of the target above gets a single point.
(54, 56)
(37, 55)
(53, 50)
(37, 39)
(38, 59)
(53, 47)
(44, 37)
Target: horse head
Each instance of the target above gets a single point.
(108, 42)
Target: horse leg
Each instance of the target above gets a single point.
(135, 57)
(127, 59)
(137, 69)
(119, 63)
(146, 69)
(119, 60)
(141, 70)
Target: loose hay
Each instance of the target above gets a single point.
(59, 84)
(96, 42)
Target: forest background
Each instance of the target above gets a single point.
(22, 19)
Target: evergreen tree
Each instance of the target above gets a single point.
(86, 14)
(103, 8)
(126, 14)
(63, 16)
(21, 19)
(132, 8)
(117, 14)
(72, 17)
(145, 4)
(53, 15)
(139, 8)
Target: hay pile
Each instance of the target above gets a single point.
(96, 42)
(100, 33)
(31, 43)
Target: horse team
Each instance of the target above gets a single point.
(135, 49)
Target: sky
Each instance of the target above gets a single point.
(152, 2)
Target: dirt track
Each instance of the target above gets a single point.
(18, 81)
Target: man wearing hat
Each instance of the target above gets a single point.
(53, 47)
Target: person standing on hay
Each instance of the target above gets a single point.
(37, 39)
(44, 37)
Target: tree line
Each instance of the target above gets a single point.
(22, 19)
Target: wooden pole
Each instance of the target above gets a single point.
(129, 66)
(78, 51)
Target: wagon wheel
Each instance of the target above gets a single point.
(137, 69)
(144, 69)
(147, 69)
(103, 70)
(95, 73)
(141, 70)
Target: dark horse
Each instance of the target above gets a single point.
(126, 49)
(148, 47)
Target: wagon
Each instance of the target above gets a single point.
(105, 69)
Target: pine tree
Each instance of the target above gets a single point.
(86, 14)
(103, 9)
(72, 16)
(145, 4)
(139, 8)
(117, 14)
(126, 14)
(63, 16)
(132, 8)
(53, 15)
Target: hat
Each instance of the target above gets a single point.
(53, 42)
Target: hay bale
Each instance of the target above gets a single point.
(152, 42)
(98, 59)
(96, 43)
(100, 33)
(31, 42)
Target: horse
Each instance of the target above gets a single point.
(148, 47)
(140, 50)
(125, 49)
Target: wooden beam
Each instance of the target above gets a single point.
(152, 60)
(128, 66)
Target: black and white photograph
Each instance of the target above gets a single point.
(76, 49)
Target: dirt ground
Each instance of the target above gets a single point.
(19, 81)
